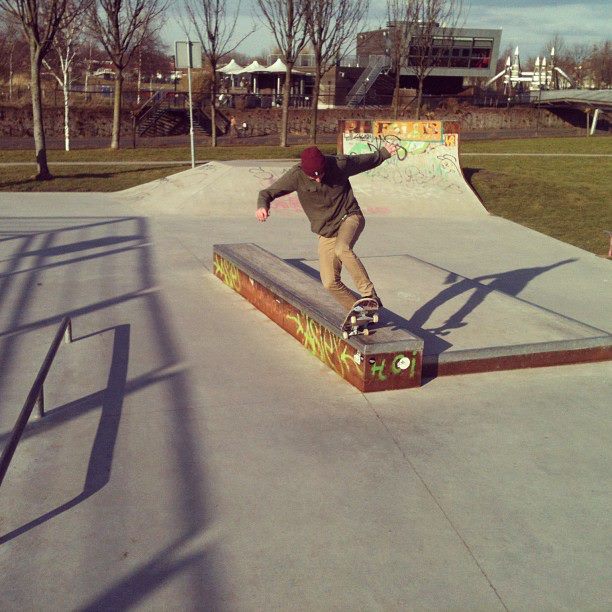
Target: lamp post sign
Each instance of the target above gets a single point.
(188, 54)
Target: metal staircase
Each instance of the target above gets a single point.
(376, 65)
(167, 113)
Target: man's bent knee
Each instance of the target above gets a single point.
(332, 284)
(341, 251)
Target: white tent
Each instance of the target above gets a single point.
(277, 66)
(231, 68)
(255, 66)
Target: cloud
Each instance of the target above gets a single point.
(530, 24)
(531, 27)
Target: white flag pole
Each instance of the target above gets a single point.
(191, 136)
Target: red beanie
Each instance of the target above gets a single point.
(313, 162)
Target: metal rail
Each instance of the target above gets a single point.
(36, 396)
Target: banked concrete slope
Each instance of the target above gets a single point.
(423, 180)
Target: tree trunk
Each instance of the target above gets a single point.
(285, 114)
(66, 111)
(396, 97)
(315, 107)
(419, 99)
(116, 133)
(213, 113)
(11, 72)
(40, 146)
(139, 82)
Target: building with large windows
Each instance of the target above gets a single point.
(456, 56)
(460, 52)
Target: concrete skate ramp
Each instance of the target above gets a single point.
(423, 180)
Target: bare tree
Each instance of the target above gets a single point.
(401, 15)
(120, 26)
(216, 32)
(600, 64)
(40, 20)
(65, 49)
(14, 48)
(431, 35)
(557, 45)
(152, 53)
(286, 20)
(330, 25)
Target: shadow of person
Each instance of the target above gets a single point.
(510, 283)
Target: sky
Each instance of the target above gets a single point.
(528, 24)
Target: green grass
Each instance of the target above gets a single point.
(83, 178)
(568, 198)
(224, 153)
(578, 144)
(115, 177)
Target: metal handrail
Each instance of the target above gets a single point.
(367, 78)
(35, 397)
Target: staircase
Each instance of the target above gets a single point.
(166, 113)
(376, 65)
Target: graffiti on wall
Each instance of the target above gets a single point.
(427, 152)
(366, 372)
(383, 368)
(423, 131)
(323, 344)
(227, 272)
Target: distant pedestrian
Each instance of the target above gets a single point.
(233, 127)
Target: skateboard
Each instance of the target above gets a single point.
(363, 313)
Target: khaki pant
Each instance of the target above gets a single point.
(337, 252)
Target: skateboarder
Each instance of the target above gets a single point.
(325, 193)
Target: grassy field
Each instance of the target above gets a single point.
(113, 177)
(569, 198)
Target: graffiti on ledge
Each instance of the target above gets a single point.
(323, 344)
(227, 272)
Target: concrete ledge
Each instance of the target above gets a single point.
(387, 359)
(536, 355)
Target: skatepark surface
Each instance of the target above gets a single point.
(194, 456)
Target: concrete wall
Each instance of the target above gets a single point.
(267, 121)
(96, 122)
(16, 121)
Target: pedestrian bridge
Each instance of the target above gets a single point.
(576, 98)
(596, 101)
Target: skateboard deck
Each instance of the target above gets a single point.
(362, 314)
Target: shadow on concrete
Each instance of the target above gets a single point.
(101, 458)
(432, 344)
(192, 514)
(476, 290)
(82, 246)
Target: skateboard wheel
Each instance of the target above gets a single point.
(345, 335)
(375, 318)
(353, 320)
(366, 332)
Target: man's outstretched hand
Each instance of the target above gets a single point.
(262, 214)
(391, 147)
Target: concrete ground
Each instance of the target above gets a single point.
(195, 456)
